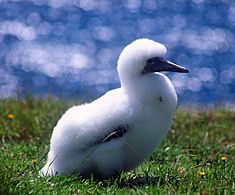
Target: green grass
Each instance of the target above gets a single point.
(195, 143)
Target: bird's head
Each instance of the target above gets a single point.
(145, 56)
(139, 67)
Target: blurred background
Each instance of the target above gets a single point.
(69, 48)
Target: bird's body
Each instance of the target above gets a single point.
(119, 130)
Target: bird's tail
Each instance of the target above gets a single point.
(47, 170)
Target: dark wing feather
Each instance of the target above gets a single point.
(114, 134)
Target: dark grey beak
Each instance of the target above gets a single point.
(159, 65)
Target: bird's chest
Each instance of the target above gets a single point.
(147, 132)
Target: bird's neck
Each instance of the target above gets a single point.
(130, 85)
(133, 87)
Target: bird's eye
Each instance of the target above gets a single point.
(153, 60)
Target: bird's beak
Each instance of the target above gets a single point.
(159, 65)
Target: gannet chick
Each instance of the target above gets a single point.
(121, 129)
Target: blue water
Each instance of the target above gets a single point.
(69, 48)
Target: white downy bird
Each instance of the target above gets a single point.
(121, 129)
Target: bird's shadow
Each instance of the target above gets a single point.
(123, 183)
(139, 181)
(130, 183)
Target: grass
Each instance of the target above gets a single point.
(196, 157)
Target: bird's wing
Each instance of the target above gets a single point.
(95, 123)
(115, 133)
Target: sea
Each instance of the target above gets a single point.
(69, 48)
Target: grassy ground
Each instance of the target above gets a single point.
(196, 157)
